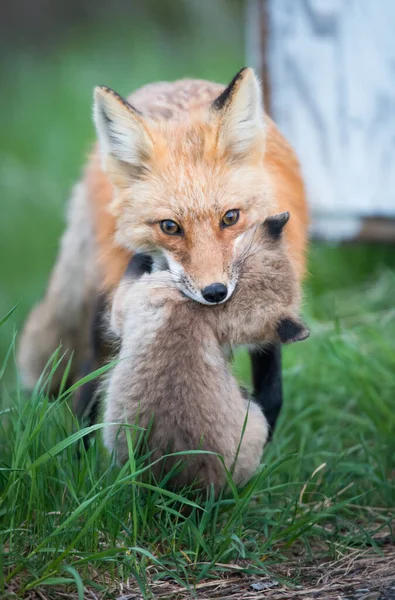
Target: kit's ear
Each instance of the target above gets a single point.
(275, 224)
(291, 330)
(241, 115)
(139, 265)
(120, 129)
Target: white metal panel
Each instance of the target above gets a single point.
(332, 77)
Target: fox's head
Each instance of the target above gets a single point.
(189, 189)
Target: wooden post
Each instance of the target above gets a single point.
(328, 76)
(257, 40)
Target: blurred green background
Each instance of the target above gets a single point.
(52, 55)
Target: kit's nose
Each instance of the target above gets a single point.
(214, 293)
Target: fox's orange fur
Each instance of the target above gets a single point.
(176, 152)
(177, 114)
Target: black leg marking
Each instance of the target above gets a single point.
(267, 381)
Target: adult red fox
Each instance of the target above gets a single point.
(182, 171)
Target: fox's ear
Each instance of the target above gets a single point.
(291, 330)
(120, 129)
(275, 224)
(240, 109)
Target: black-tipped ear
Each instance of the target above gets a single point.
(120, 128)
(274, 225)
(240, 116)
(139, 265)
(224, 98)
(290, 330)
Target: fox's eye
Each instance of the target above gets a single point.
(230, 218)
(170, 227)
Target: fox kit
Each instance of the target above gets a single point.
(172, 366)
(182, 170)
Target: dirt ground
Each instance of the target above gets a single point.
(360, 574)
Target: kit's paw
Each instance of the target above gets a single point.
(162, 288)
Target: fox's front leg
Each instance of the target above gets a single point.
(267, 381)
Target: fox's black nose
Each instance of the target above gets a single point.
(214, 293)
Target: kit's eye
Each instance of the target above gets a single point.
(230, 218)
(170, 227)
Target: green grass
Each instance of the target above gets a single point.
(84, 522)
(327, 478)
